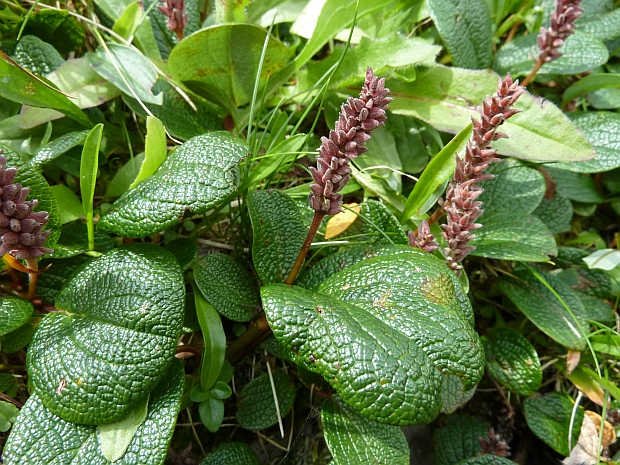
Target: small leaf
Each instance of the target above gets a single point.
(124, 177)
(115, 438)
(352, 439)
(513, 361)
(8, 415)
(588, 385)
(238, 453)
(339, 223)
(88, 178)
(184, 250)
(257, 407)
(59, 146)
(214, 339)
(155, 150)
(458, 439)
(486, 459)
(207, 163)
(375, 224)
(14, 312)
(127, 23)
(279, 233)
(109, 346)
(465, 28)
(18, 339)
(549, 418)
(221, 391)
(212, 413)
(37, 56)
(605, 259)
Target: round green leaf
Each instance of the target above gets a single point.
(238, 453)
(14, 312)
(8, 415)
(40, 438)
(221, 62)
(257, 407)
(458, 438)
(114, 337)
(37, 56)
(227, 286)
(50, 282)
(513, 361)
(221, 391)
(184, 249)
(197, 176)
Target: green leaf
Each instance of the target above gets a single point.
(544, 309)
(15, 80)
(556, 213)
(257, 407)
(602, 129)
(8, 384)
(221, 62)
(58, 28)
(18, 339)
(212, 413)
(588, 84)
(88, 178)
(8, 415)
(314, 275)
(207, 163)
(513, 361)
(446, 98)
(115, 438)
(114, 337)
(37, 56)
(452, 394)
(604, 25)
(155, 150)
(574, 186)
(14, 312)
(458, 439)
(607, 344)
(39, 189)
(434, 175)
(352, 439)
(279, 233)
(580, 53)
(238, 453)
(227, 286)
(404, 298)
(75, 236)
(486, 459)
(59, 146)
(124, 177)
(127, 23)
(379, 187)
(221, 391)
(375, 224)
(466, 29)
(50, 282)
(135, 74)
(184, 250)
(549, 418)
(68, 203)
(39, 437)
(214, 339)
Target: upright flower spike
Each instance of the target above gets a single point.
(21, 229)
(177, 18)
(358, 118)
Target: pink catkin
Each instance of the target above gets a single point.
(561, 26)
(358, 118)
(175, 12)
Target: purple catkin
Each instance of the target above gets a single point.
(561, 26)
(21, 229)
(358, 118)
(461, 207)
(175, 12)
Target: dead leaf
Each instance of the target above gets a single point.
(609, 434)
(586, 450)
(572, 360)
(339, 223)
(588, 386)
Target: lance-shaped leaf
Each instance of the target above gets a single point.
(14, 312)
(381, 332)
(40, 438)
(114, 337)
(196, 176)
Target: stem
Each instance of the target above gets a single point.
(535, 70)
(255, 334)
(32, 277)
(17, 403)
(314, 227)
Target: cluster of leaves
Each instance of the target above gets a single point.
(170, 145)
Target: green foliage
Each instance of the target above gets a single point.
(232, 452)
(257, 408)
(14, 313)
(58, 28)
(37, 56)
(458, 439)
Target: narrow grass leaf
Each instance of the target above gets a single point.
(88, 178)
(589, 84)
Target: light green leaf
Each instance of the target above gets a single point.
(406, 299)
(549, 418)
(56, 27)
(607, 344)
(155, 150)
(513, 361)
(196, 176)
(380, 188)
(114, 337)
(68, 203)
(221, 62)
(279, 233)
(14, 312)
(352, 439)
(257, 407)
(447, 98)
(227, 286)
(37, 56)
(580, 53)
(88, 178)
(556, 213)
(221, 390)
(264, 12)
(59, 146)
(590, 83)
(214, 339)
(466, 29)
(604, 259)
(8, 415)
(127, 23)
(115, 438)
(238, 453)
(137, 73)
(40, 437)
(212, 413)
(458, 439)
(124, 177)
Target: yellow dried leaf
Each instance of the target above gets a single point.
(339, 223)
(609, 434)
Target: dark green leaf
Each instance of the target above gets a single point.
(486, 459)
(74, 240)
(212, 413)
(18, 339)
(227, 286)
(8, 383)
(59, 146)
(124, 177)
(114, 338)
(50, 282)
(556, 213)
(458, 439)
(238, 453)
(58, 28)
(37, 56)
(184, 250)
(313, 276)
(466, 29)
(257, 407)
(14, 312)
(589, 84)
(196, 176)
(574, 186)
(375, 224)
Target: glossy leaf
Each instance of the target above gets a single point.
(196, 176)
(115, 337)
(441, 97)
(404, 298)
(466, 29)
(549, 418)
(59, 146)
(279, 233)
(227, 286)
(39, 437)
(14, 312)
(375, 224)
(115, 438)
(184, 249)
(575, 186)
(58, 28)
(88, 178)
(486, 459)
(50, 282)
(74, 241)
(513, 361)
(18, 339)
(37, 56)
(238, 453)
(353, 439)
(155, 150)
(214, 339)
(452, 394)
(257, 407)
(458, 439)
(315, 274)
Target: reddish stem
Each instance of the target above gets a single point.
(314, 227)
